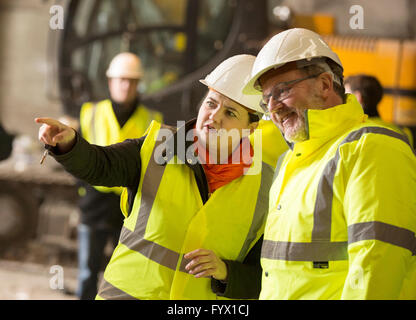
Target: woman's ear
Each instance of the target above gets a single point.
(253, 126)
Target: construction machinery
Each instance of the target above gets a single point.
(179, 42)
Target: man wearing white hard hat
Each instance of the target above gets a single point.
(342, 211)
(113, 120)
(194, 203)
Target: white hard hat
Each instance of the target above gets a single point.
(291, 45)
(229, 78)
(125, 65)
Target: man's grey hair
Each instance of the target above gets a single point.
(326, 65)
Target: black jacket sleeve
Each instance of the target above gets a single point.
(6, 141)
(117, 165)
(244, 278)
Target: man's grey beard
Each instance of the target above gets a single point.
(299, 135)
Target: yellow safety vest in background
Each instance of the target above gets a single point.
(338, 228)
(100, 126)
(168, 219)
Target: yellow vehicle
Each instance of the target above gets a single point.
(393, 62)
(179, 42)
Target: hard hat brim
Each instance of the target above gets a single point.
(133, 76)
(250, 87)
(297, 44)
(252, 108)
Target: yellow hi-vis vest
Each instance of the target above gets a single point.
(273, 143)
(99, 126)
(168, 219)
(342, 217)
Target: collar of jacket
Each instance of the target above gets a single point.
(131, 106)
(124, 112)
(324, 125)
(177, 141)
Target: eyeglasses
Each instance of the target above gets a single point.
(281, 91)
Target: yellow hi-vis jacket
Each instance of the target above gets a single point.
(169, 219)
(99, 126)
(342, 217)
(273, 143)
(404, 131)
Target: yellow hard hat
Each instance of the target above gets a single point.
(229, 78)
(125, 65)
(295, 44)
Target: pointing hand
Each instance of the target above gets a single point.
(54, 133)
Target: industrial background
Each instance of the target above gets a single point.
(47, 72)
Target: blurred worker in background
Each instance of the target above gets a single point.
(369, 92)
(6, 143)
(194, 222)
(107, 122)
(342, 216)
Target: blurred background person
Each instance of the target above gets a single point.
(369, 93)
(110, 121)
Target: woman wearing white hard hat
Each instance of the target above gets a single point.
(195, 205)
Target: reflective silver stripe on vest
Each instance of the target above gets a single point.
(323, 205)
(149, 249)
(304, 251)
(261, 210)
(376, 230)
(259, 215)
(135, 241)
(92, 124)
(321, 248)
(110, 292)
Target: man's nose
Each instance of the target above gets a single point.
(125, 83)
(274, 105)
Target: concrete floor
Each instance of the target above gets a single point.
(27, 281)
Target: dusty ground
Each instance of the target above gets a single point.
(28, 281)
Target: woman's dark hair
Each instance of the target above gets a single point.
(253, 117)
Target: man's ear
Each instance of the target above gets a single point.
(327, 84)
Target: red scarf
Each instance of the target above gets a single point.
(219, 175)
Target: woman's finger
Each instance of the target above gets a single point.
(205, 274)
(49, 121)
(45, 135)
(197, 252)
(197, 261)
(201, 267)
